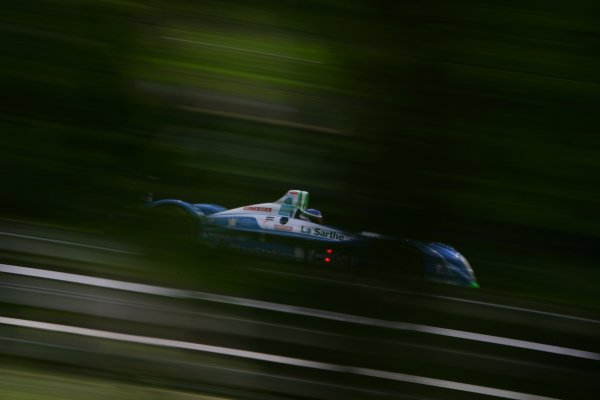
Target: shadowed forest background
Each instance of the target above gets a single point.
(466, 122)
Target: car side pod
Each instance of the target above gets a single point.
(444, 264)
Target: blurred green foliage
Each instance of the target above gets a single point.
(467, 122)
(21, 384)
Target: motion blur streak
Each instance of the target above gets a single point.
(271, 358)
(66, 242)
(240, 49)
(437, 296)
(472, 123)
(526, 310)
(284, 308)
(506, 341)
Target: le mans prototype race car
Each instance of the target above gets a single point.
(288, 229)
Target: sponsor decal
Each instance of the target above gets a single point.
(231, 222)
(260, 209)
(320, 232)
(284, 228)
(270, 218)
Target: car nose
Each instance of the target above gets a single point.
(444, 264)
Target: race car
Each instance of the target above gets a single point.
(288, 229)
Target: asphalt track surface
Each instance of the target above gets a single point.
(457, 346)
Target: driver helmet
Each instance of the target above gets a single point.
(312, 215)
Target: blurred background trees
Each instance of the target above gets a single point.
(466, 122)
